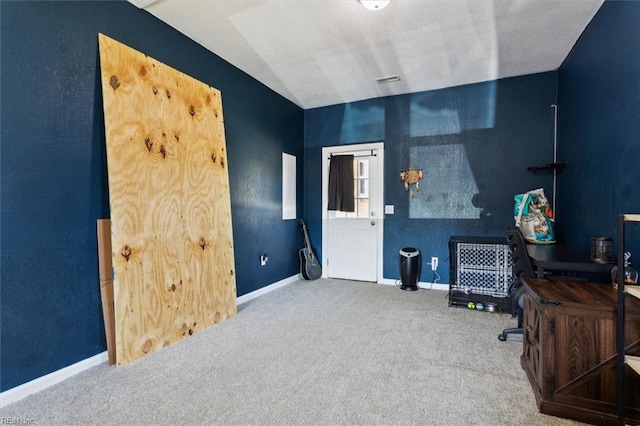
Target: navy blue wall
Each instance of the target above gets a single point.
(474, 143)
(54, 183)
(599, 113)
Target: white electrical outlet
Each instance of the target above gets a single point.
(434, 263)
(263, 259)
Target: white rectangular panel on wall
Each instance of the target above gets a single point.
(288, 186)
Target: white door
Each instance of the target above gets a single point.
(352, 241)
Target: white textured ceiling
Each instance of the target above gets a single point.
(325, 52)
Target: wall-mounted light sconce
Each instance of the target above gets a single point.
(411, 176)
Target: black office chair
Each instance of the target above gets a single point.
(521, 268)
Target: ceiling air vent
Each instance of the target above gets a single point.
(390, 79)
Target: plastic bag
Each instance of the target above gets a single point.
(534, 217)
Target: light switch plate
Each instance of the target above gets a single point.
(388, 209)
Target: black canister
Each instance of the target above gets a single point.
(602, 250)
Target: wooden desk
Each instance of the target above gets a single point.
(569, 349)
(553, 257)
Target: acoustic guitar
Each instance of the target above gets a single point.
(310, 268)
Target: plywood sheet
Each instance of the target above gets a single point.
(170, 205)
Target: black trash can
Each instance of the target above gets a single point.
(410, 263)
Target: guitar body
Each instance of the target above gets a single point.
(310, 268)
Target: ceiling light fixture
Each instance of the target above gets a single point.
(375, 4)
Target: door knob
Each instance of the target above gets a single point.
(373, 222)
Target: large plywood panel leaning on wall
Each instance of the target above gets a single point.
(170, 206)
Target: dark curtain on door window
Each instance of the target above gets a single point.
(341, 183)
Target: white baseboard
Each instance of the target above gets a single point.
(426, 286)
(264, 290)
(434, 286)
(15, 394)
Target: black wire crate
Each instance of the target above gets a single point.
(480, 271)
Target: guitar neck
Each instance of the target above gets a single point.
(306, 238)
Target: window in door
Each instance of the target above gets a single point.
(360, 191)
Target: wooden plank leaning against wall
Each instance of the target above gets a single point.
(172, 240)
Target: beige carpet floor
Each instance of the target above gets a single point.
(325, 352)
